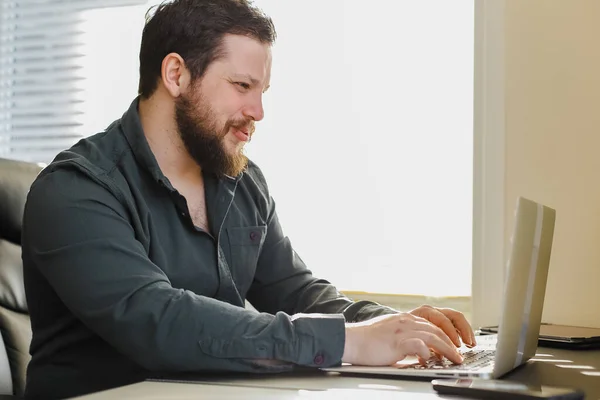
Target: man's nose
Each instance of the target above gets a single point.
(255, 109)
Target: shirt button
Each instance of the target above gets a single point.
(253, 235)
(319, 359)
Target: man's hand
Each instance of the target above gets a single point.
(452, 322)
(390, 338)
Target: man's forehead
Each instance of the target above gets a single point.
(243, 46)
(246, 58)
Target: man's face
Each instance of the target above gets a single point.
(216, 116)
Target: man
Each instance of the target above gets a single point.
(142, 243)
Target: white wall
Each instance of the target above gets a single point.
(552, 123)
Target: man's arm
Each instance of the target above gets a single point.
(384, 336)
(79, 234)
(282, 281)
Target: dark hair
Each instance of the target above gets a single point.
(194, 29)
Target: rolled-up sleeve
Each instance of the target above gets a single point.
(78, 232)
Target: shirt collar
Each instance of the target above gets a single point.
(134, 133)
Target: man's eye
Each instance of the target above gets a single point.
(243, 85)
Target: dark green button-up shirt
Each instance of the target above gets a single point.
(122, 286)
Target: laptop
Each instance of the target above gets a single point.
(523, 299)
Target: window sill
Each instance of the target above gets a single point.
(405, 302)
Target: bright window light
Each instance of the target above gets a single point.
(367, 141)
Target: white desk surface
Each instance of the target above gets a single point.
(324, 387)
(553, 367)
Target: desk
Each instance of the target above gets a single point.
(552, 367)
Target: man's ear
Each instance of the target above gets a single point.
(174, 74)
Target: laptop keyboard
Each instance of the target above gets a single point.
(473, 359)
(477, 359)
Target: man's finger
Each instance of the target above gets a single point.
(430, 327)
(461, 324)
(444, 323)
(413, 346)
(438, 345)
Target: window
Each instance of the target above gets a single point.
(47, 66)
(367, 143)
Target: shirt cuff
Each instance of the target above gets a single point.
(321, 339)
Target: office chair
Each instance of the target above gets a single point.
(16, 178)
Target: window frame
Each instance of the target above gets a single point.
(489, 187)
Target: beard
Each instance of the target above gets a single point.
(204, 141)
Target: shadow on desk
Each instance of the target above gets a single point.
(537, 374)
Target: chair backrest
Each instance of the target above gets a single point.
(16, 178)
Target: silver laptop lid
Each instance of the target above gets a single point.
(525, 285)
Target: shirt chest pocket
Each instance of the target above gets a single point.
(245, 244)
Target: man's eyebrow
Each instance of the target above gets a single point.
(249, 77)
(252, 80)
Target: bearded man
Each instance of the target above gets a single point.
(142, 243)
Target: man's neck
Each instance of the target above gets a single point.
(158, 123)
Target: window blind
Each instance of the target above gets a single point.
(41, 79)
